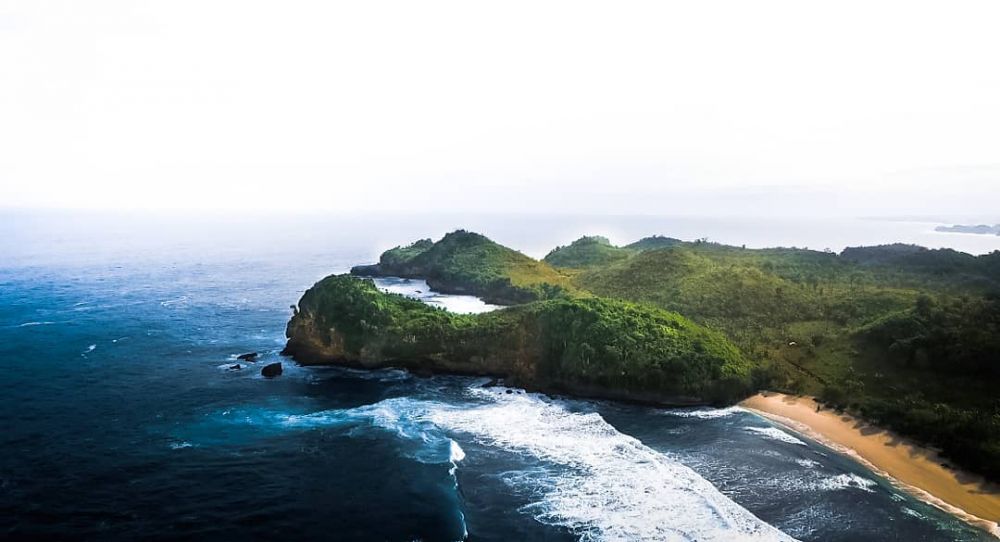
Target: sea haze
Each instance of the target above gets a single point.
(124, 420)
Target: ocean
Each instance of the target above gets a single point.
(122, 418)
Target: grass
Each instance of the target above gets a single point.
(567, 343)
(587, 252)
(904, 336)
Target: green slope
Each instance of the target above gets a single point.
(909, 340)
(466, 262)
(587, 252)
(597, 347)
(904, 336)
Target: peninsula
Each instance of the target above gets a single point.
(981, 229)
(903, 337)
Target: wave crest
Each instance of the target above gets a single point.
(774, 433)
(602, 484)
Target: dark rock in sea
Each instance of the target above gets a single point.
(372, 270)
(236, 367)
(509, 391)
(271, 370)
(249, 356)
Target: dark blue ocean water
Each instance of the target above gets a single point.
(121, 420)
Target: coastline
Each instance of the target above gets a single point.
(915, 469)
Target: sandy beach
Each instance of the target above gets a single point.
(916, 469)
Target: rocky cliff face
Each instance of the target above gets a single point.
(591, 347)
(315, 339)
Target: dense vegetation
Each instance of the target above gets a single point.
(653, 242)
(465, 262)
(945, 267)
(587, 252)
(594, 251)
(935, 372)
(594, 346)
(904, 336)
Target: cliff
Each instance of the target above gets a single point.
(590, 346)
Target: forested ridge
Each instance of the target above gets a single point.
(904, 336)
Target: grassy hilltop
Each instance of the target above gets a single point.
(469, 263)
(587, 252)
(597, 347)
(904, 336)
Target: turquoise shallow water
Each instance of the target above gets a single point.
(121, 421)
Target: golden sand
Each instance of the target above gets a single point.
(915, 469)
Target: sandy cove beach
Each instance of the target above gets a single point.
(916, 469)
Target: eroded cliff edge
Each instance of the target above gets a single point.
(585, 346)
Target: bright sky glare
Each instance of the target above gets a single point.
(850, 107)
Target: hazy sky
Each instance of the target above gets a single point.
(795, 107)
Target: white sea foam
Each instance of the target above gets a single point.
(602, 484)
(847, 481)
(401, 416)
(177, 301)
(592, 479)
(815, 480)
(704, 413)
(775, 434)
(180, 445)
(382, 375)
(32, 324)
(89, 349)
(457, 453)
(419, 290)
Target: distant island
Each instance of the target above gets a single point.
(981, 229)
(900, 335)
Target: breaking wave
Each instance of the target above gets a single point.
(846, 481)
(599, 483)
(774, 433)
(33, 324)
(704, 413)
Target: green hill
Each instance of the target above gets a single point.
(587, 252)
(653, 243)
(904, 336)
(597, 251)
(881, 331)
(469, 263)
(590, 346)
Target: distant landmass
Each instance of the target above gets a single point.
(981, 229)
(900, 335)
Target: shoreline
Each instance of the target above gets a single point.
(916, 469)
